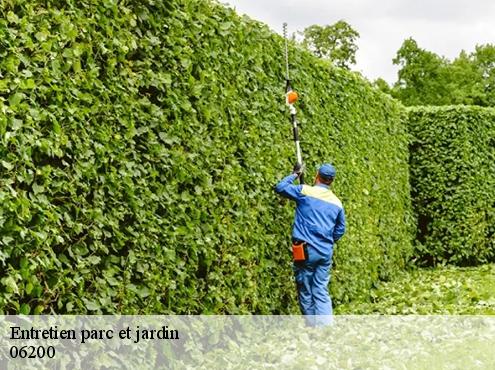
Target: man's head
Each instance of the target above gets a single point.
(326, 174)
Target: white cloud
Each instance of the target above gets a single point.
(443, 26)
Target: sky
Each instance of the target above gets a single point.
(444, 27)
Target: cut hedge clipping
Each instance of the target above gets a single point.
(139, 146)
(453, 183)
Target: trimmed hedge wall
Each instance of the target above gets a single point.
(453, 183)
(140, 143)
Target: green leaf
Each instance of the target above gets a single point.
(28, 84)
(143, 292)
(94, 260)
(25, 309)
(37, 189)
(38, 310)
(6, 240)
(10, 284)
(7, 165)
(16, 98)
(91, 305)
(12, 17)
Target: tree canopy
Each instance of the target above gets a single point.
(336, 42)
(424, 78)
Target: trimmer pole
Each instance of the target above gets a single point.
(295, 131)
(290, 98)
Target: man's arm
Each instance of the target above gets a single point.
(287, 189)
(339, 229)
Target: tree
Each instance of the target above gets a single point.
(425, 78)
(421, 78)
(465, 83)
(484, 61)
(336, 42)
(382, 85)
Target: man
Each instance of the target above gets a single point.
(319, 222)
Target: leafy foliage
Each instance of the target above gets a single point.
(425, 78)
(139, 145)
(336, 42)
(439, 291)
(351, 342)
(421, 76)
(452, 165)
(382, 85)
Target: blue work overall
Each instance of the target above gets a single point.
(320, 222)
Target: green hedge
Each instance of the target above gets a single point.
(453, 183)
(140, 143)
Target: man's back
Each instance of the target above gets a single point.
(320, 219)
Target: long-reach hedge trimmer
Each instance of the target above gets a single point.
(290, 98)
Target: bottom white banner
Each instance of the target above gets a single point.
(247, 342)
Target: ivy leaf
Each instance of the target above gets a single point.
(91, 305)
(10, 283)
(12, 17)
(7, 165)
(37, 189)
(25, 309)
(28, 84)
(16, 98)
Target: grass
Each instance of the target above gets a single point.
(439, 291)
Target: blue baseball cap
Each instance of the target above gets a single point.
(327, 171)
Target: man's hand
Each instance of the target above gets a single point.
(298, 169)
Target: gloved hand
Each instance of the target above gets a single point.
(298, 169)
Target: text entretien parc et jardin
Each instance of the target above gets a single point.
(86, 335)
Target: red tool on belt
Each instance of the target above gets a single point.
(299, 251)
